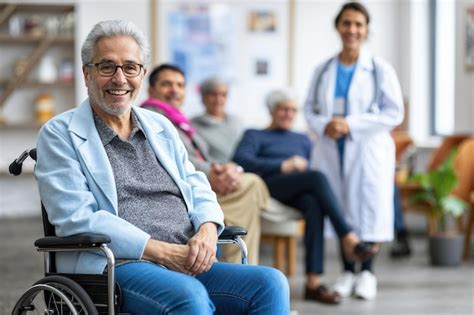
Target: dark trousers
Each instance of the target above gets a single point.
(310, 193)
(400, 228)
(350, 265)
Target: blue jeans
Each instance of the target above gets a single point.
(226, 288)
(310, 193)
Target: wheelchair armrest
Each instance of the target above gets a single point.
(73, 241)
(231, 232)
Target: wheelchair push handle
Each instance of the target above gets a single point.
(16, 165)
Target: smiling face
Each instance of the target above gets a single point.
(283, 115)
(114, 95)
(170, 87)
(215, 100)
(353, 29)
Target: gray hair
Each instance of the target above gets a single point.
(278, 96)
(209, 85)
(113, 28)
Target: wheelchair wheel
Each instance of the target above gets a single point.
(55, 295)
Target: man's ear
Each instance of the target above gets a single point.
(150, 91)
(86, 73)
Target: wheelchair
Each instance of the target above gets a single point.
(60, 293)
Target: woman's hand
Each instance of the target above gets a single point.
(337, 127)
(294, 164)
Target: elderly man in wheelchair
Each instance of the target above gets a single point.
(109, 168)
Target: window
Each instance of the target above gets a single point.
(442, 66)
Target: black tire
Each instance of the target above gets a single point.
(55, 294)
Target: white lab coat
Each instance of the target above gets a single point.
(365, 189)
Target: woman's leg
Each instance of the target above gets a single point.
(151, 289)
(288, 187)
(314, 232)
(245, 289)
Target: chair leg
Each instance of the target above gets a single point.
(279, 253)
(468, 232)
(291, 259)
(432, 224)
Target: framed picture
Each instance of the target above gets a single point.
(469, 41)
(262, 21)
(261, 67)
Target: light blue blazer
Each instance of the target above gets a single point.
(77, 186)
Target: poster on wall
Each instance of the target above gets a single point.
(262, 21)
(469, 59)
(202, 40)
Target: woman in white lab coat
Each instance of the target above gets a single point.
(353, 103)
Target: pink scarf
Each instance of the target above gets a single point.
(173, 114)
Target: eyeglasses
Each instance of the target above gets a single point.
(108, 69)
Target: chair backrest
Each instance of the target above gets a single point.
(448, 144)
(402, 143)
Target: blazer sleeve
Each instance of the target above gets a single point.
(71, 205)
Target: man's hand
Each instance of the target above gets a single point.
(193, 258)
(337, 127)
(225, 178)
(173, 256)
(202, 249)
(294, 164)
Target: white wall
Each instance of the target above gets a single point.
(464, 113)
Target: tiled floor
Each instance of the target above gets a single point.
(409, 286)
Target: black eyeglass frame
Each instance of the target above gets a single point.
(97, 64)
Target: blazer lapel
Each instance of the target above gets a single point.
(92, 153)
(161, 146)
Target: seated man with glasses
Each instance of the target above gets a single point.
(112, 168)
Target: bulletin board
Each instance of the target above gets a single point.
(243, 42)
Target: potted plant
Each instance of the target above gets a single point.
(436, 187)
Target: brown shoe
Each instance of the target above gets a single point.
(323, 295)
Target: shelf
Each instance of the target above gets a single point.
(29, 39)
(38, 84)
(20, 126)
(40, 8)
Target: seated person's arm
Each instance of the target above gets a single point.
(247, 155)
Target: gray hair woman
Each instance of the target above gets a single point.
(280, 156)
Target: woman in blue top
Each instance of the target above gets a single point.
(280, 156)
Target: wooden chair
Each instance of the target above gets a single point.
(469, 228)
(464, 165)
(282, 226)
(407, 190)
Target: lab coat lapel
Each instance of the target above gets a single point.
(92, 152)
(330, 85)
(362, 80)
